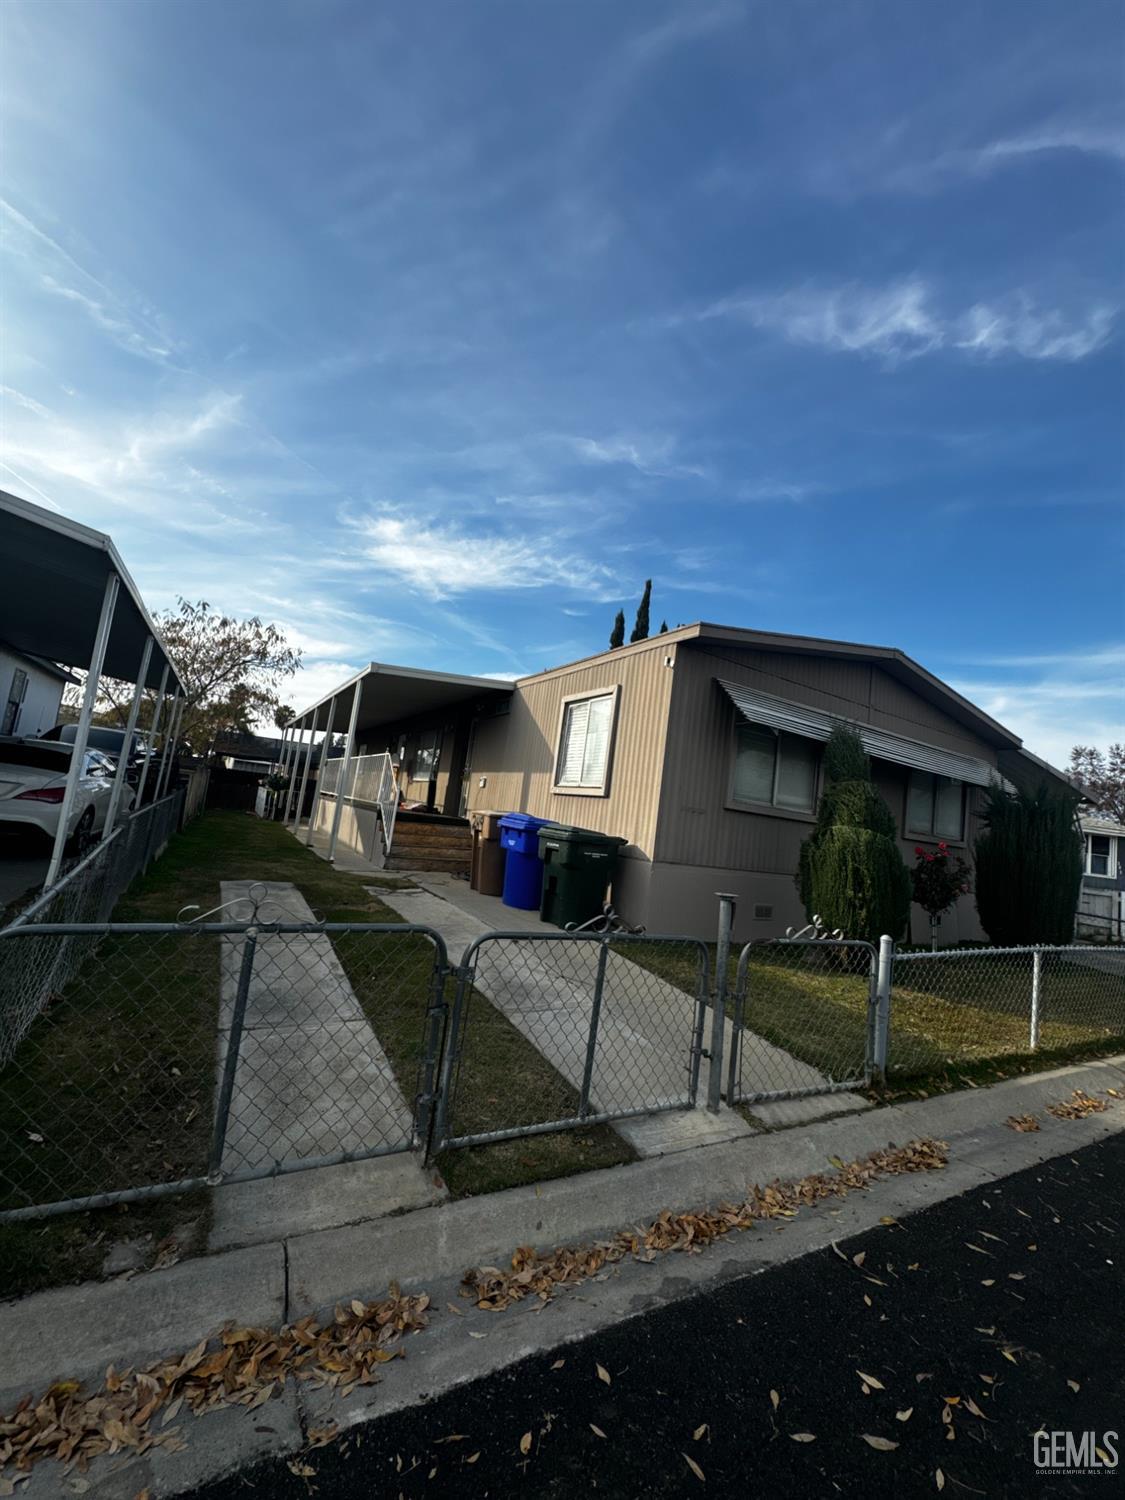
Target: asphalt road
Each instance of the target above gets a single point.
(1001, 1297)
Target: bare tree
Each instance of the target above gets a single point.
(1102, 775)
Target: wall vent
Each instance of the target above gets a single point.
(763, 913)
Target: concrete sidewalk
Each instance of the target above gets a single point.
(311, 1080)
(74, 1332)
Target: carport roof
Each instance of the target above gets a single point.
(55, 572)
(388, 694)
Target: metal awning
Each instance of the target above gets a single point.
(54, 582)
(814, 724)
(389, 694)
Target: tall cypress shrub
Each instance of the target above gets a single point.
(851, 873)
(617, 634)
(640, 628)
(1029, 866)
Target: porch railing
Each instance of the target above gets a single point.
(371, 781)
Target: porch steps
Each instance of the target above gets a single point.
(425, 844)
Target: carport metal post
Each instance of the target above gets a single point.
(123, 758)
(293, 778)
(82, 729)
(152, 733)
(341, 785)
(324, 748)
(169, 740)
(305, 776)
(719, 1014)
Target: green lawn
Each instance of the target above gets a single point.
(946, 1012)
(118, 1076)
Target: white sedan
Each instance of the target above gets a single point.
(33, 782)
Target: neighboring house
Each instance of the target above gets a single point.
(1101, 900)
(702, 747)
(31, 690)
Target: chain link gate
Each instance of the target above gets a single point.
(183, 1055)
(826, 991)
(620, 1039)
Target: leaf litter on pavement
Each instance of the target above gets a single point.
(541, 1274)
(241, 1367)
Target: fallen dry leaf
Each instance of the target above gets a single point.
(871, 1381)
(699, 1431)
(905, 1415)
(884, 1445)
(1077, 1107)
(525, 1443)
(939, 1479)
(242, 1367)
(1074, 1385)
(558, 1364)
(1022, 1122)
(803, 1437)
(775, 1400)
(694, 1467)
(541, 1275)
(603, 1374)
(596, 1431)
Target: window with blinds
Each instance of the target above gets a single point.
(584, 745)
(778, 770)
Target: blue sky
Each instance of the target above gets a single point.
(431, 331)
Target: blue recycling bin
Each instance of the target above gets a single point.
(523, 872)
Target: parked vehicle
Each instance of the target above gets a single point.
(110, 742)
(33, 776)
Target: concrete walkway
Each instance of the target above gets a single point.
(312, 1080)
(650, 1017)
(545, 988)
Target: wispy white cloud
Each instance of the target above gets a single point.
(441, 561)
(903, 321)
(648, 455)
(1019, 327)
(1053, 700)
(1105, 142)
(8, 393)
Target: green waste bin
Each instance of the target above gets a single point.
(578, 866)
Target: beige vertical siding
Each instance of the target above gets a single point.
(516, 753)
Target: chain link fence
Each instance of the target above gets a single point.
(619, 1038)
(35, 970)
(962, 1005)
(145, 1059)
(803, 1019)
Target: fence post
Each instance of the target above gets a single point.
(883, 1008)
(440, 1130)
(737, 1021)
(719, 1014)
(1036, 990)
(424, 1112)
(592, 1039)
(230, 1062)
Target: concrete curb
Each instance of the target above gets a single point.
(77, 1331)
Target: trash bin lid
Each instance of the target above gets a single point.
(566, 833)
(522, 820)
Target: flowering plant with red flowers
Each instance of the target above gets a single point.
(938, 878)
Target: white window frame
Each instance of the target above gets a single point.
(1111, 853)
(601, 788)
(773, 807)
(918, 833)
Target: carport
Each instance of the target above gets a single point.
(374, 705)
(68, 597)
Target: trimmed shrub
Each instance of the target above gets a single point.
(851, 873)
(1028, 866)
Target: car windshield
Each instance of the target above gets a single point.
(99, 737)
(35, 755)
